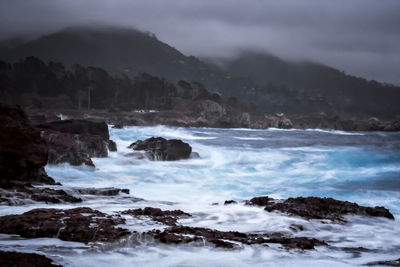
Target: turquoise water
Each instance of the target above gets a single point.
(239, 164)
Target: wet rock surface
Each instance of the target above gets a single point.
(319, 208)
(167, 217)
(16, 259)
(76, 141)
(186, 234)
(78, 224)
(384, 263)
(23, 154)
(158, 148)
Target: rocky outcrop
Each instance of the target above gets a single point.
(186, 234)
(76, 141)
(23, 154)
(167, 217)
(272, 121)
(17, 259)
(319, 208)
(158, 148)
(79, 224)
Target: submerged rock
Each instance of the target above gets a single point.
(158, 148)
(319, 208)
(79, 224)
(167, 217)
(17, 259)
(186, 234)
(23, 154)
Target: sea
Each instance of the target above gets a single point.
(236, 164)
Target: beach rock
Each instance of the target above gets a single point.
(23, 154)
(78, 224)
(167, 217)
(158, 148)
(319, 208)
(229, 202)
(384, 263)
(186, 234)
(17, 259)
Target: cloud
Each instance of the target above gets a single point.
(358, 36)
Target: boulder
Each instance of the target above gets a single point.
(23, 154)
(76, 141)
(78, 224)
(158, 148)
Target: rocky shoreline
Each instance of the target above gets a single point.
(26, 149)
(215, 115)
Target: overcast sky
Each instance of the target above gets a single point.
(361, 37)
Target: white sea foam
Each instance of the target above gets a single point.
(226, 170)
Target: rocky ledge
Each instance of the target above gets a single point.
(16, 259)
(186, 234)
(167, 217)
(79, 224)
(318, 208)
(158, 148)
(76, 141)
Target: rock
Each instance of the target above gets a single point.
(76, 141)
(273, 121)
(23, 154)
(158, 148)
(186, 234)
(17, 259)
(259, 201)
(167, 217)
(81, 127)
(112, 146)
(384, 263)
(108, 191)
(228, 202)
(78, 224)
(319, 208)
(118, 126)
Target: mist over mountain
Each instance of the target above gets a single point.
(262, 82)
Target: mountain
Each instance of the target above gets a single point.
(312, 87)
(121, 50)
(260, 81)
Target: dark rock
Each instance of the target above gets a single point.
(17, 259)
(23, 154)
(112, 146)
(186, 234)
(259, 201)
(158, 148)
(319, 208)
(81, 127)
(79, 224)
(73, 148)
(384, 263)
(118, 126)
(109, 191)
(228, 202)
(76, 141)
(297, 242)
(167, 217)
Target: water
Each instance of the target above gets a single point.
(239, 164)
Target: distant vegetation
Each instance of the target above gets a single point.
(33, 83)
(120, 58)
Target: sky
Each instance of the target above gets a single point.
(361, 37)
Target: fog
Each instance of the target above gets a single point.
(361, 37)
